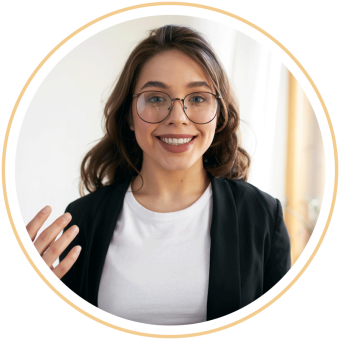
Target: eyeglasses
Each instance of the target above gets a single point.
(155, 106)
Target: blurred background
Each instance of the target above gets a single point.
(279, 128)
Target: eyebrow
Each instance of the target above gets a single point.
(164, 86)
(155, 84)
(199, 84)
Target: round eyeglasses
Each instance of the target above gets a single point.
(155, 106)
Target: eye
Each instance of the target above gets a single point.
(197, 99)
(156, 99)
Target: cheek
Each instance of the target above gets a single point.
(208, 131)
(143, 133)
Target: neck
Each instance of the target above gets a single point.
(169, 185)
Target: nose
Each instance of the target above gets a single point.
(177, 114)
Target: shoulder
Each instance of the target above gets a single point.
(89, 199)
(242, 189)
(248, 197)
(89, 203)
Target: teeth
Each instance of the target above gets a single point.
(175, 141)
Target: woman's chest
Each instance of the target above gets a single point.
(157, 272)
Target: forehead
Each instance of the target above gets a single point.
(174, 68)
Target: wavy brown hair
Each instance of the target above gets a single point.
(118, 155)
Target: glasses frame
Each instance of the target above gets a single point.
(171, 100)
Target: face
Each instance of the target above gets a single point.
(176, 74)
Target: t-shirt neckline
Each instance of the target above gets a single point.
(168, 216)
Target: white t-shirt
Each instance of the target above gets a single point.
(156, 270)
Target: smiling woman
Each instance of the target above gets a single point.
(171, 232)
(172, 120)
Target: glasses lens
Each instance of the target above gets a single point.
(200, 107)
(153, 107)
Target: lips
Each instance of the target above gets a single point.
(176, 148)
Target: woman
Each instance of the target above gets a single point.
(171, 233)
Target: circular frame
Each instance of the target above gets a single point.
(210, 9)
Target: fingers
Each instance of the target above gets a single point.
(49, 234)
(46, 240)
(57, 247)
(37, 222)
(64, 266)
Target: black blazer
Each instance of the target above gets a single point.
(250, 246)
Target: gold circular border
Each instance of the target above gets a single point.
(171, 4)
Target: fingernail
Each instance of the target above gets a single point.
(66, 217)
(77, 249)
(74, 229)
(46, 210)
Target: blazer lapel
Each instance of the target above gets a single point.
(224, 292)
(103, 227)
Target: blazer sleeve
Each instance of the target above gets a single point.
(278, 262)
(69, 279)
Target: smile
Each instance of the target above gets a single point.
(176, 144)
(176, 141)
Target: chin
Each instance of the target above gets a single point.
(177, 166)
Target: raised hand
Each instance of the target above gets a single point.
(48, 247)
